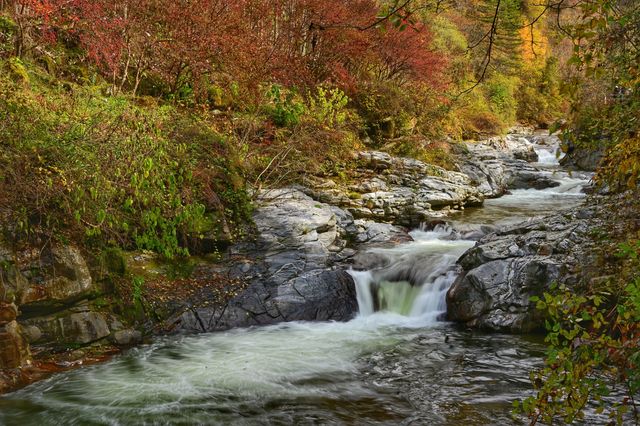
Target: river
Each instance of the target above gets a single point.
(397, 362)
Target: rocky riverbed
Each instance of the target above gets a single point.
(305, 239)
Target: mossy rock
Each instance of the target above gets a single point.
(114, 261)
(17, 71)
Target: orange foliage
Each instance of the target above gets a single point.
(535, 45)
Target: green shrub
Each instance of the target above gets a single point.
(17, 71)
(538, 95)
(388, 111)
(593, 356)
(285, 107)
(7, 30)
(114, 172)
(328, 107)
(500, 91)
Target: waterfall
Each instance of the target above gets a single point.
(547, 155)
(414, 278)
(548, 149)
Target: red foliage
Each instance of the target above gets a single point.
(293, 42)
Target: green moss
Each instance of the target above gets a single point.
(17, 71)
(182, 268)
(114, 261)
(101, 302)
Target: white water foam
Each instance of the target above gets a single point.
(414, 283)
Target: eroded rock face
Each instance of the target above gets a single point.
(43, 301)
(14, 349)
(49, 280)
(292, 267)
(506, 268)
(398, 190)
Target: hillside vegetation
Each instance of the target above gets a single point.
(148, 124)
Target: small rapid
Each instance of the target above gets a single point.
(548, 150)
(412, 279)
(396, 362)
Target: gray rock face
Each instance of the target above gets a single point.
(293, 267)
(506, 268)
(398, 190)
(67, 328)
(48, 281)
(503, 163)
(583, 158)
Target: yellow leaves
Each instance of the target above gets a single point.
(50, 172)
(621, 166)
(535, 45)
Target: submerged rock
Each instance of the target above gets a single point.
(126, 337)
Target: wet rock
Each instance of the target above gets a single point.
(294, 273)
(526, 179)
(506, 268)
(67, 328)
(14, 350)
(313, 296)
(126, 337)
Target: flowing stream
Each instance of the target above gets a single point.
(396, 363)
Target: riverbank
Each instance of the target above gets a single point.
(294, 268)
(401, 279)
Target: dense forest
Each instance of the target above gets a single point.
(154, 125)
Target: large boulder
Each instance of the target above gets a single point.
(313, 296)
(583, 157)
(45, 281)
(292, 268)
(76, 326)
(506, 268)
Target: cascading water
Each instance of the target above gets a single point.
(547, 147)
(394, 363)
(412, 279)
(522, 204)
